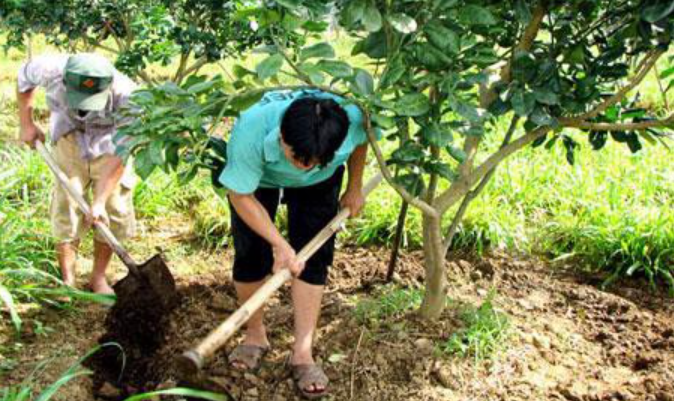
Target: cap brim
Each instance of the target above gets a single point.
(87, 101)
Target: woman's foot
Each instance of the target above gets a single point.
(310, 380)
(247, 357)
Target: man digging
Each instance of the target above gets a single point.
(84, 93)
(290, 148)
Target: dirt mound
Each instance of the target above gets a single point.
(569, 340)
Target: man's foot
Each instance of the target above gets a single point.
(310, 380)
(101, 287)
(247, 356)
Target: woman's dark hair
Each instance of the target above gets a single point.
(314, 129)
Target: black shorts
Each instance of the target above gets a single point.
(309, 210)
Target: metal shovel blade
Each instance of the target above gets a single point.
(154, 282)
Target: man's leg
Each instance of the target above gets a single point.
(307, 307)
(66, 254)
(102, 255)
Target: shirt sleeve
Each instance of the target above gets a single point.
(40, 71)
(243, 171)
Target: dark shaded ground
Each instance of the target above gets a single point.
(570, 340)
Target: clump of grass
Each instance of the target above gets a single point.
(211, 223)
(485, 332)
(391, 302)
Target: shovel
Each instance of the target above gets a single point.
(153, 277)
(191, 361)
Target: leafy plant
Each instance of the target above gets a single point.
(485, 332)
(391, 302)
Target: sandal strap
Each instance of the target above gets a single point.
(306, 375)
(248, 354)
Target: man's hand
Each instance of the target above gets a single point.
(354, 200)
(285, 257)
(98, 214)
(31, 133)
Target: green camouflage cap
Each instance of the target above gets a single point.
(88, 78)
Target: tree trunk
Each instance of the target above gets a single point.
(434, 263)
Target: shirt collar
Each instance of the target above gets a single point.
(272, 147)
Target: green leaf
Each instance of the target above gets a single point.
(8, 300)
(457, 153)
(541, 117)
(290, 4)
(269, 66)
(522, 12)
(403, 23)
(319, 50)
(337, 69)
(143, 164)
(437, 135)
(202, 87)
(442, 37)
(633, 142)
(363, 82)
(394, 71)
(382, 121)
(539, 141)
(523, 103)
(525, 66)
(546, 96)
(241, 72)
(371, 18)
(570, 146)
(185, 392)
(244, 100)
(468, 111)
(472, 14)
(409, 152)
(412, 105)
(156, 152)
(374, 45)
(597, 139)
(353, 12)
(657, 12)
(441, 169)
(413, 183)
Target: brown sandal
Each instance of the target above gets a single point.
(248, 355)
(307, 375)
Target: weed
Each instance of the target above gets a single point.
(484, 333)
(391, 302)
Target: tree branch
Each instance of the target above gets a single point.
(644, 67)
(202, 61)
(460, 188)
(407, 197)
(636, 126)
(475, 192)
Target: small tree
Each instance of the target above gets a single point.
(444, 74)
(139, 32)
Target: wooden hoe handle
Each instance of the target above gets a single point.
(190, 362)
(102, 228)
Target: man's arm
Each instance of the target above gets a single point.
(29, 132)
(353, 196)
(256, 217)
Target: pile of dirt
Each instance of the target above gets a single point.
(569, 340)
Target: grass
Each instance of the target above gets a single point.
(390, 302)
(26, 391)
(484, 333)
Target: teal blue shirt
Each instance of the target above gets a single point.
(254, 154)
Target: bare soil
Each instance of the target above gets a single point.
(570, 340)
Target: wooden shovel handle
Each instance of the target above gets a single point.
(194, 359)
(102, 228)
